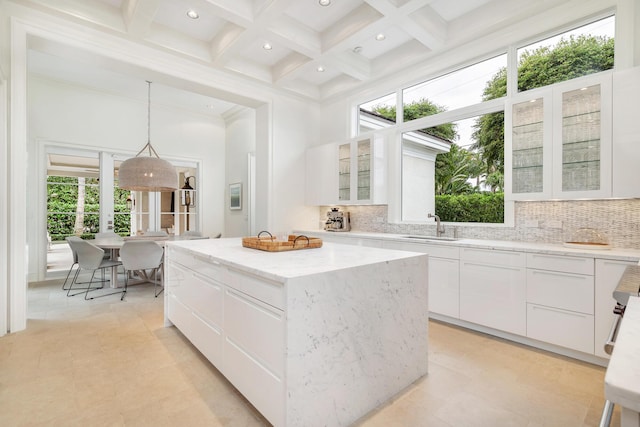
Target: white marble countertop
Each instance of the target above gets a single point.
(622, 380)
(279, 266)
(507, 245)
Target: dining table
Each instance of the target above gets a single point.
(114, 244)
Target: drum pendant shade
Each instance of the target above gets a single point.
(147, 173)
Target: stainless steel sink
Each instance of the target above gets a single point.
(433, 238)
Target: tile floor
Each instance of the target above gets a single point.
(112, 363)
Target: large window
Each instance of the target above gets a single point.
(457, 89)
(463, 108)
(575, 53)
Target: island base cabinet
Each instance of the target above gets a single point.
(560, 327)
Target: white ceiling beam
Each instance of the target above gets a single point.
(138, 15)
(361, 18)
(426, 26)
(296, 36)
(287, 66)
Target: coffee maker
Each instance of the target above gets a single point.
(337, 221)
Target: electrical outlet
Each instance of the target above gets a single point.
(553, 223)
(531, 223)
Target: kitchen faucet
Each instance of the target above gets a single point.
(439, 228)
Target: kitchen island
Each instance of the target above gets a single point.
(308, 336)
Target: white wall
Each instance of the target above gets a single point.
(240, 141)
(86, 118)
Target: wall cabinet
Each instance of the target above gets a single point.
(493, 289)
(352, 172)
(626, 133)
(558, 141)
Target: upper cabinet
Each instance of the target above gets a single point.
(347, 173)
(558, 141)
(626, 133)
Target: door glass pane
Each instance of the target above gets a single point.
(581, 139)
(344, 172)
(527, 139)
(364, 169)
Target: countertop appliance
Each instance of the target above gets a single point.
(337, 220)
(629, 285)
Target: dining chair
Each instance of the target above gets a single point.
(142, 255)
(90, 258)
(74, 255)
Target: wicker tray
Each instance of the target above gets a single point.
(271, 244)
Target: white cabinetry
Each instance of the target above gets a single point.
(558, 142)
(444, 276)
(626, 133)
(353, 172)
(493, 289)
(608, 273)
(560, 300)
(236, 321)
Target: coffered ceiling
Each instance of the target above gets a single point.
(316, 51)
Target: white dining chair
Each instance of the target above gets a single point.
(90, 258)
(74, 255)
(142, 255)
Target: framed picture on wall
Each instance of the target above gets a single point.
(235, 196)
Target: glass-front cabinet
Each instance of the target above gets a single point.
(558, 141)
(361, 170)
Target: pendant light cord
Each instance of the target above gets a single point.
(152, 151)
(149, 115)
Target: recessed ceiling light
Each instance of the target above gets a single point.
(324, 2)
(380, 37)
(320, 69)
(193, 14)
(267, 46)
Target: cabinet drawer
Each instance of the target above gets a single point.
(256, 328)
(564, 328)
(494, 257)
(179, 315)
(260, 387)
(203, 265)
(567, 264)
(262, 289)
(207, 339)
(561, 290)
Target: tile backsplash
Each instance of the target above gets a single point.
(546, 221)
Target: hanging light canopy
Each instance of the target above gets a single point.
(148, 173)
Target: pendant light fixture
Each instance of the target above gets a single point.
(147, 173)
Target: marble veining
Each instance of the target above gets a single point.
(355, 322)
(357, 345)
(622, 380)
